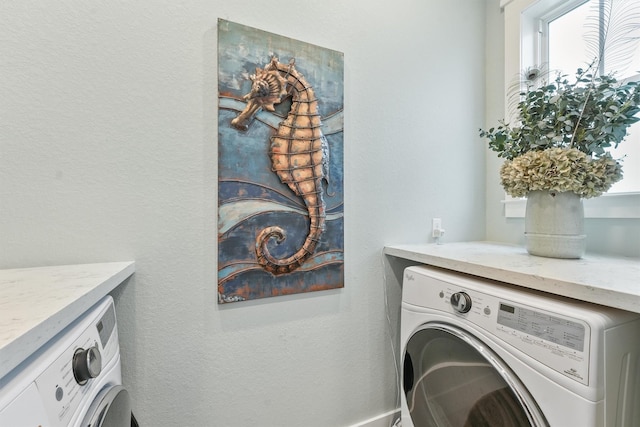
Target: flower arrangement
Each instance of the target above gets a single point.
(559, 169)
(562, 132)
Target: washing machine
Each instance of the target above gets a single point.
(74, 380)
(479, 353)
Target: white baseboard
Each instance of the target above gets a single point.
(383, 420)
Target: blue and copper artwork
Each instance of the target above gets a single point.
(280, 165)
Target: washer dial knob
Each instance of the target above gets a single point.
(87, 364)
(461, 302)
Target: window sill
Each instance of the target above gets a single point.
(620, 205)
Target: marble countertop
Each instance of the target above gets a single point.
(610, 281)
(38, 303)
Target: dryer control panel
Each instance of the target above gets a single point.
(547, 327)
(557, 341)
(553, 338)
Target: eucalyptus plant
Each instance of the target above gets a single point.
(587, 114)
(590, 113)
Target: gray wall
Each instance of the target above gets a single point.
(108, 152)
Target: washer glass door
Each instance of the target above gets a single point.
(452, 380)
(111, 408)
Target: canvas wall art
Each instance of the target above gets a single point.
(280, 165)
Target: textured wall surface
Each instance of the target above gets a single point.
(108, 153)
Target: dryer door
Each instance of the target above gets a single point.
(111, 408)
(452, 380)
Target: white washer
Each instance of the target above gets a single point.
(482, 353)
(73, 380)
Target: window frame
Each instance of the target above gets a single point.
(523, 46)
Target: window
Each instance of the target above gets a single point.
(550, 32)
(563, 48)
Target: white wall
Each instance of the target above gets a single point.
(108, 152)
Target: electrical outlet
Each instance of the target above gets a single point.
(436, 227)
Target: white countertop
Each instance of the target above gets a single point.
(610, 281)
(38, 303)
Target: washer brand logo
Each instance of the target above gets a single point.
(409, 277)
(572, 372)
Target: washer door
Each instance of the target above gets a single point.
(111, 408)
(451, 379)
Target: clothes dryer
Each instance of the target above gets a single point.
(482, 353)
(74, 380)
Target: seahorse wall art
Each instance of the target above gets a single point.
(280, 165)
(298, 151)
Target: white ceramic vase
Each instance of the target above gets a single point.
(554, 224)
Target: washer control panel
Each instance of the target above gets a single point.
(64, 385)
(547, 327)
(560, 342)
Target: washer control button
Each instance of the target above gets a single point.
(87, 364)
(461, 302)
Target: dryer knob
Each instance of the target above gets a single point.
(86, 364)
(461, 302)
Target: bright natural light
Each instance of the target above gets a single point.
(567, 52)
